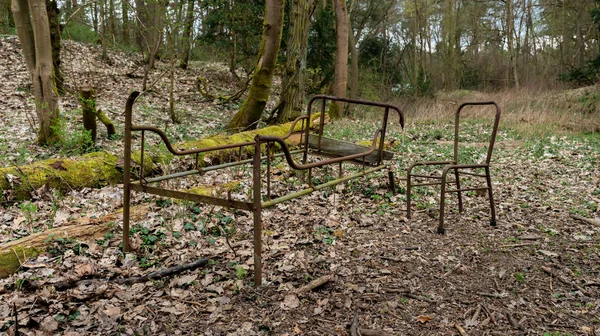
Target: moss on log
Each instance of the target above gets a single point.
(100, 168)
(89, 170)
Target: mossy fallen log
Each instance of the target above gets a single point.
(14, 253)
(89, 170)
(99, 169)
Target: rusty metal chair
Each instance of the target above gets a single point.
(453, 165)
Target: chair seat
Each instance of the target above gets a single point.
(338, 148)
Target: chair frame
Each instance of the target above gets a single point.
(453, 165)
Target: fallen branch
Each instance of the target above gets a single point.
(562, 279)
(14, 253)
(595, 222)
(61, 286)
(315, 284)
(372, 332)
(408, 294)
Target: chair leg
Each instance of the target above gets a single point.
(441, 229)
(491, 197)
(460, 201)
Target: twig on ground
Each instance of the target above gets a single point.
(494, 295)
(476, 315)
(452, 270)
(16, 319)
(408, 294)
(489, 314)
(460, 330)
(419, 297)
(512, 321)
(61, 286)
(371, 332)
(561, 278)
(518, 245)
(595, 222)
(558, 325)
(315, 283)
(354, 327)
(227, 241)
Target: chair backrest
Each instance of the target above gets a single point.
(494, 129)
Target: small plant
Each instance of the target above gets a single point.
(189, 226)
(29, 210)
(149, 238)
(520, 277)
(240, 272)
(78, 141)
(325, 234)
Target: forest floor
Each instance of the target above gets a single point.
(396, 275)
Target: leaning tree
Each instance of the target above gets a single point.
(250, 113)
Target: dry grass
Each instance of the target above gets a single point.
(529, 111)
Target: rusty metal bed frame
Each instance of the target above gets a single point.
(456, 167)
(310, 144)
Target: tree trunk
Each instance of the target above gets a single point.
(251, 111)
(112, 20)
(6, 19)
(33, 30)
(125, 26)
(510, 27)
(353, 62)
(102, 28)
(187, 34)
(292, 95)
(340, 79)
(53, 13)
(88, 107)
(20, 10)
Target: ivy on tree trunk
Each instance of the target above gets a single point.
(251, 111)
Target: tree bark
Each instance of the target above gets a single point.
(251, 111)
(20, 10)
(187, 34)
(340, 81)
(55, 30)
(125, 26)
(510, 27)
(353, 61)
(34, 32)
(292, 95)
